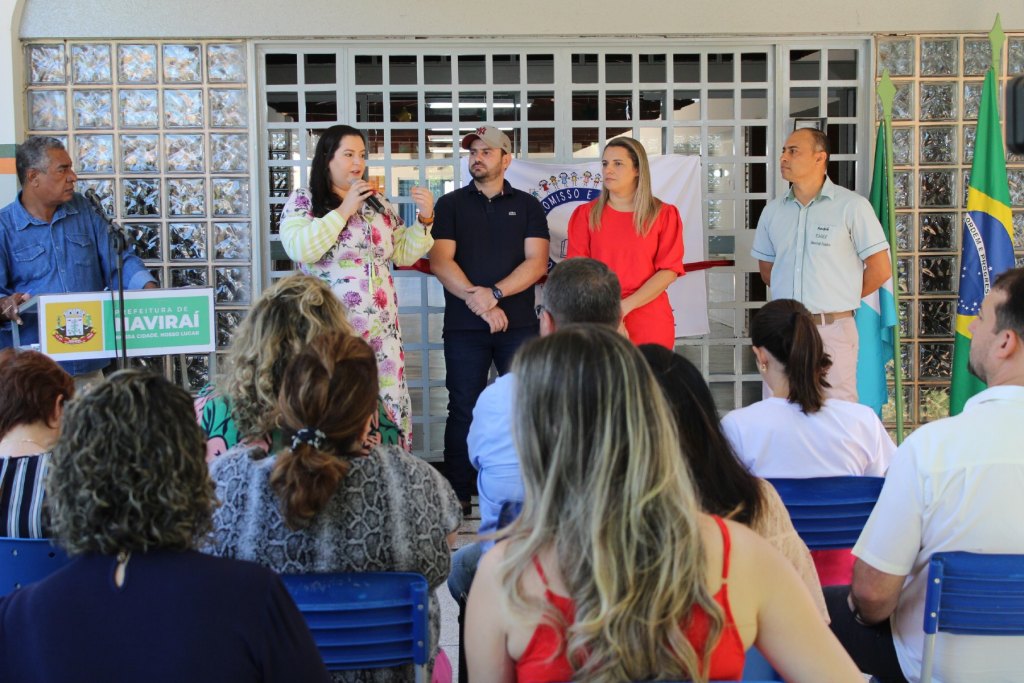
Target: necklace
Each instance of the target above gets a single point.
(44, 448)
(36, 443)
(121, 570)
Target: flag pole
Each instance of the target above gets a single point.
(996, 38)
(886, 94)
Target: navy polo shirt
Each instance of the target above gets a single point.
(490, 242)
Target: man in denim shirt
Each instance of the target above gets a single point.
(52, 242)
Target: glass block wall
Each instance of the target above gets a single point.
(160, 130)
(939, 81)
(732, 103)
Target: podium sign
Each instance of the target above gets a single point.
(158, 322)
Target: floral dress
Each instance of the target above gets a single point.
(354, 259)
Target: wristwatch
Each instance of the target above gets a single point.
(497, 293)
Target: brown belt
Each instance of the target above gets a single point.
(829, 318)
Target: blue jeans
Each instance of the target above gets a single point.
(468, 355)
(464, 562)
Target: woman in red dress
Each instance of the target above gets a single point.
(638, 236)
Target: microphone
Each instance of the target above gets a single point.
(375, 203)
(97, 204)
(112, 227)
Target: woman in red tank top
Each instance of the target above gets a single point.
(610, 573)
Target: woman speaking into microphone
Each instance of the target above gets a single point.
(341, 231)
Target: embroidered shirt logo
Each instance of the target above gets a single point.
(511, 213)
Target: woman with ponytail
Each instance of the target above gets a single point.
(241, 408)
(319, 503)
(798, 432)
(611, 573)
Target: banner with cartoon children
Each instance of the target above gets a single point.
(674, 179)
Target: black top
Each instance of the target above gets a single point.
(180, 616)
(490, 236)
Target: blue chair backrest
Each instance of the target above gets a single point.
(25, 560)
(972, 594)
(365, 620)
(757, 668)
(829, 512)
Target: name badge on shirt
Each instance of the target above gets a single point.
(822, 236)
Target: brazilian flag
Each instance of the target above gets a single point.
(987, 248)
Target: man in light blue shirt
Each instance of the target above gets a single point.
(578, 290)
(822, 245)
(52, 242)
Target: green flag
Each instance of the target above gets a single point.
(987, 248)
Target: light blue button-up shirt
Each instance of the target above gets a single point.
(492, 450)
(71, 253)
(818, 250)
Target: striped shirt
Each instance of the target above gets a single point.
(21, 496)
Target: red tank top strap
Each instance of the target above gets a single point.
(726, 545)
(540, 571)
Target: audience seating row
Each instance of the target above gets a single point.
(369, 620)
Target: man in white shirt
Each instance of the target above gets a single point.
(822, 245)
(954, 484)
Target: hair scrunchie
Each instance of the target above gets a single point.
(308, 435)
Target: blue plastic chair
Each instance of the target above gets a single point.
(829, 512)
(972, 594)
(757, 668)
(366, 620)
(25, 560)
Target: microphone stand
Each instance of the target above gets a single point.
(120, 240)
(120, 246)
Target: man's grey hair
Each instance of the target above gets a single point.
(34, 154)
(583, 290)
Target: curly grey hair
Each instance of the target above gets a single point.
(129, 472)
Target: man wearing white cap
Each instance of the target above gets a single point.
(490, 248)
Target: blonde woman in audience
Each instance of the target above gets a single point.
(284, 320)
(320, 503)
(611, 573)
(35, 392)
(131, 499)
(799, 432)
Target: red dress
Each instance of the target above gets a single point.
(538, 663)
(634, 259)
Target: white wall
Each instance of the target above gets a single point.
(509, 18)
(11, 89)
